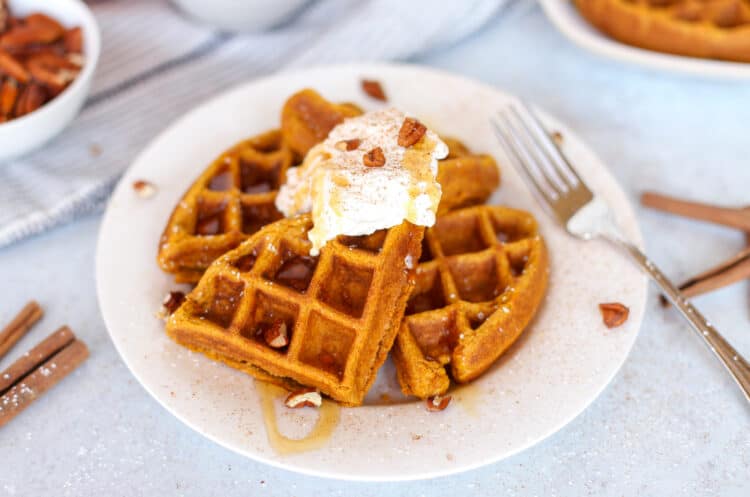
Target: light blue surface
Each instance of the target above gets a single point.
(672, 422)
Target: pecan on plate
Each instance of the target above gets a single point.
(374, 89)
(614, 314)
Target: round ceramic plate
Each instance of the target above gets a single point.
(564, 15)
(556, 369)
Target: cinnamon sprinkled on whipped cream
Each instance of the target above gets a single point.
(348, 198)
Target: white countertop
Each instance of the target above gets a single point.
(672, 422)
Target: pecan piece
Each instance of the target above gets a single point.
(172, 301)
(374, 158)
(4, 15)
(52, 70)
(73, 40)
(76, 59)
(37, 29)
(32, 97)
(411, 132)
(348, 145)
(305, 397)
(438, 403)
(144, 189)
(374, 89)
(276, 335)
(614, 314)
(8, 97)
(11, 67)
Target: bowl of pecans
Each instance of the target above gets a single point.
(48, 53)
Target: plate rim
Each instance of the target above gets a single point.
(361, 68)
(566, 19)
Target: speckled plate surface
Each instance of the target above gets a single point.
(566, 18)
(557, 368)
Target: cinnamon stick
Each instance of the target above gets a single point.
(39, 370)
(31, 359)
(728, 216)
(21, 324)
(731, 271)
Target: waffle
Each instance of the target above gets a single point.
(480, 279)
(307, 118)
(232, 199)
(342, 309)
(466, 178)
(716, 29)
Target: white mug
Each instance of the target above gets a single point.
(240, 15)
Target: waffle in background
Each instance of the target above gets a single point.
(713, 29)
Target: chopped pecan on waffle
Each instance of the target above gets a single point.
(479, 282)
(716, 29)
(340, 311)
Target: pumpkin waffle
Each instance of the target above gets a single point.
(466, 178)
(307, 118)
(715, 29)
(480, 279)
(340, 311)
(232, 199)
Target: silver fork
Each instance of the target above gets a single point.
(587, 216)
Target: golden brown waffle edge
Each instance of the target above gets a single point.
(712, 29)
(232, 199)
(342, 320)
(481, 278)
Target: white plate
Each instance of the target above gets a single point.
(565, 16)
(556, 369)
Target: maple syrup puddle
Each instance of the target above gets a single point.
(328, 418)
(468, 397)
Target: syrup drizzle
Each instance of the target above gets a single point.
(296, 272)
(317, 437)
(468, 396)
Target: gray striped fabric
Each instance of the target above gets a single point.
(156, 65)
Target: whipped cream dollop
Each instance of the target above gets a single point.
(346, 197)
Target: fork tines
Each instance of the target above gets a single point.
(534, 153)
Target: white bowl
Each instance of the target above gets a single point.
(240, 15)
(22, 135)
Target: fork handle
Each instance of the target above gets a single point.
(737, 365)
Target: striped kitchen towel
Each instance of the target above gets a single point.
(156, 65)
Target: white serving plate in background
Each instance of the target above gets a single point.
(566, 18)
